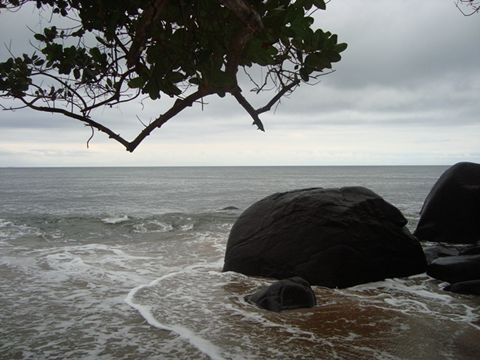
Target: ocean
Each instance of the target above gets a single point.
(125, 263)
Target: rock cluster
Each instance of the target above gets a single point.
(450, 217)
(347, 236)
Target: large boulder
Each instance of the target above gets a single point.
(451, 211)
(330, 237)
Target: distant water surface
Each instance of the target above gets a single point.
(125, 263)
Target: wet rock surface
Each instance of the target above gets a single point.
(331, 237)
(451, 211)
(471, 287)
(286, 294)
(455, 269)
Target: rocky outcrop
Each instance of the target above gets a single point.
(330, 237)
(287, 294)
(451, 211)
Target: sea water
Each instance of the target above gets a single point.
(125, 263)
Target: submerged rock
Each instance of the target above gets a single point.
(471, 287)
(451, 211)
(455, 269)
(330, 237)
(292, 293)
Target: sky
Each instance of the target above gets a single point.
(405, 93)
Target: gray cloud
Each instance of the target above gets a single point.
(402, 42)
(411, 68)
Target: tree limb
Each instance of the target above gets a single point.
(249, 108)
(277, 97)
(475, 5)
(84, 119)
(177, 107)
(255, 112)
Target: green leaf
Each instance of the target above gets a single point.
(194, 80)
(40, 37)
(341, 47)
(304, 74)
(320, 4)
(176, 77)
(76, 73)
(96, 54)
(136, 83)
(50, 33)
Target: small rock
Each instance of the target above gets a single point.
(286, 294)
(455, 269)
(471, 250)
(434, 252)
(471, 287)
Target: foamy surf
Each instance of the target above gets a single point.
(115, 219)
(186, 334)
(419, 294)
(206, 309)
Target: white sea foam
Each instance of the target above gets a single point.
(206, 301)
(11, 231)
(203, 345)
(115, 219)
(152, 226)
(4, 223)
(419, 294)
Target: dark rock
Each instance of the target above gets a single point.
(434, 252)
(451, 211)
(465, 287)
(292, 293)
(330, 237)
(229, 208)
(470, 250)
(455, 269)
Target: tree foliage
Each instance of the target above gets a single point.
(468, 7)
(104, 53)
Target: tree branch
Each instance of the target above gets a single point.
(249, 108)
(177, 107)
(84, 119)
(277, 97)
(254, 113)
(475, 5)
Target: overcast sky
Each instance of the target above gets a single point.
(406, 92)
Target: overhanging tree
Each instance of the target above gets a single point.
(103, 53)
(468, 7)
